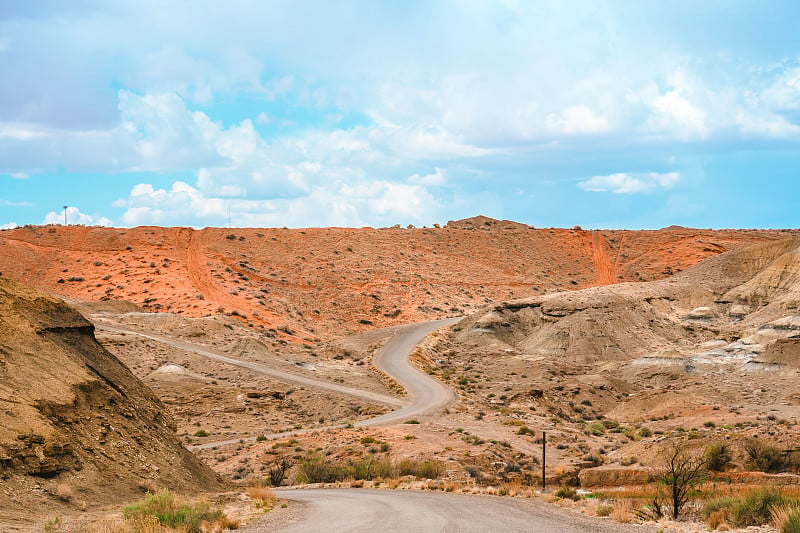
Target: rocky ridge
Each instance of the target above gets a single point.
(76, 426)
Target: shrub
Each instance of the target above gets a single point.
(172, 512)
(786, 518)
(718, 457)
(369, 468)
(262, 495)
(682, 470)
(201, 433)
(604, 510)
(420, 469)
(314, 469)
(567, 493)
(595, 428)
(753, 509)
(764, 457)
(277, 472)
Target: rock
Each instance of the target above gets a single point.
(702, 313)
(738, 311)
(614, 476)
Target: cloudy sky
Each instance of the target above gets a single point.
(614, 114)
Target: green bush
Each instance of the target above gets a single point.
(172, 512)
(567, 493)
(753, 509)
(595, 428)
(420, 469)
(313, 468)
(370, 468)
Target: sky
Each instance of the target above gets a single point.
(248, 113)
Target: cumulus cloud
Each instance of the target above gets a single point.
(9, 225)
(627, 183)
(337, 204)
(488, 89)
(74, 216)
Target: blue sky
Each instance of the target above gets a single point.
(615, 114)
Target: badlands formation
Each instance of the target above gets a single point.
(613, 342)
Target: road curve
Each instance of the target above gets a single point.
(389, 511)
(425, 393)
(259, 368)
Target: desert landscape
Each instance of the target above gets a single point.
(224, 361)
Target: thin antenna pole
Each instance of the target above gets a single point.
(544, 459)
(65, 214)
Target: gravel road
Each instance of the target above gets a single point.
(388, 511)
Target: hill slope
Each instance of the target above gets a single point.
(712, 348)
(325, 282)
(72, 415)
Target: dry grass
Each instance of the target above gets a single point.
(786, 518)
(64, 492)
(263, 496)
(622, 512)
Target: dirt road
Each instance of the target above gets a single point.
(256, 367)
(426, 394)
(387, 511)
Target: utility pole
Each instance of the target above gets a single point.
(65, 214)
(544, 459)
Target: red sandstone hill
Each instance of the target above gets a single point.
(320, 283)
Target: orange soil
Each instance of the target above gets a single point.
(320, 283)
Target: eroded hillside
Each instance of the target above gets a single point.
(323, 283)
(76, 427)
(713, 352)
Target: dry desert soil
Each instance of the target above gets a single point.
(197, 360)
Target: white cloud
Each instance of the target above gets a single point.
(625, 183)
(8, 203)
(437, 178)
(74, 216)
(577, 120)
(338, 204)
(784, 92)
(22, 132)
(9, 225)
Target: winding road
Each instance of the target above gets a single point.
(364, 510)
(424, 393)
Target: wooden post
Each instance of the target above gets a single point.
(544, 459)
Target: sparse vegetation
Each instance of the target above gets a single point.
(753, 509)
(683, 469)
(569, 493)
(316, 469)
(166, 509)
(717, 457)
(767, 457)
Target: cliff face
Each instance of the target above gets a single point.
(72, 414)
(323, 283)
